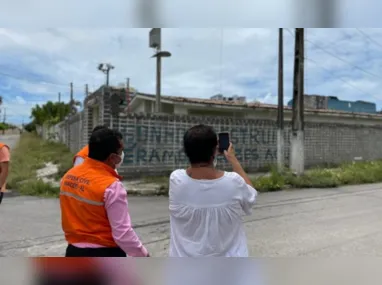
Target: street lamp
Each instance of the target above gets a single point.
(105, 68)
(155, 42)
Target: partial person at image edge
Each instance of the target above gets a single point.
(93, 200)
(206, 204)
(4, 168)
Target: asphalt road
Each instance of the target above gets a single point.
(10, 140)
(313, 222)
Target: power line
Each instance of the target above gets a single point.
(339, 58)
(369, 38)
(340, 78)
(30, 81)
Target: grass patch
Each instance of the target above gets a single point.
(39, 188)
(31, 153)
(345, 174)
(270, 182)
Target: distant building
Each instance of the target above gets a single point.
(233, 98)
(333, 103)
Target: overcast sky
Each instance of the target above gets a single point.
(36, 64)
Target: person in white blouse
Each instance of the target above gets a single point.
(206, 204)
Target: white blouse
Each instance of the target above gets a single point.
(206, 215)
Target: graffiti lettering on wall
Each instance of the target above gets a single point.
(163, 144)
(169, 134)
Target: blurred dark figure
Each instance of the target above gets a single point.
(65, 271)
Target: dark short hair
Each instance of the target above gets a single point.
(118, 134)
(200, 143)
(104, 142)
(99, 127)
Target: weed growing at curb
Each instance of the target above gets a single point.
(31, 154)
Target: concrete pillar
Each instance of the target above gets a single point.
(280, 150)
(297, 157)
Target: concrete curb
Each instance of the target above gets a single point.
(11, 193)
(137, 188)
(147, 192)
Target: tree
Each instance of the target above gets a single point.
(30, 127)
(50, 113)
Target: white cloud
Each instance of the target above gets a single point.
(20, 100)
(204, 62)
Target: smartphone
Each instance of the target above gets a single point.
(223, 142)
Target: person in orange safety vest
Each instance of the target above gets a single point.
(4, 167)
(93, 200)
(84, 152)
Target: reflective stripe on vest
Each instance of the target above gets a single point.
(83, 214)
(84, 152)
(87, 201)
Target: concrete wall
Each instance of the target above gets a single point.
(153, 143)
(48, 132)
(69, 132)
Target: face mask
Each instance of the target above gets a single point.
(122, 156)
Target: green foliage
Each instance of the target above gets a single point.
(30, 127)
(6, 126)
(345, 174)
(33, 153)
(50, 113)
(271, 182)
(39, 188)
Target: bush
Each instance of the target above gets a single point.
(272, 182)
(31, 154)
(345, 174)
(316, 178)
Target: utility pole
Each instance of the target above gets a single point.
(158, 104)
(71, 91)
(128, 94)
(59, 97)
(280, 111)
(71, 98)
(105, 68)
(297, 139)
(155, 38)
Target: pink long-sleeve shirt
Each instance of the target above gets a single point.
(116, 206)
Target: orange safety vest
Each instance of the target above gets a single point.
(3, 145)
(83, 213)
(84, 153)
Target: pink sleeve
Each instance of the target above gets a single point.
(118, 213)
(4, 154)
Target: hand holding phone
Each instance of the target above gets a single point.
(224, 142)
